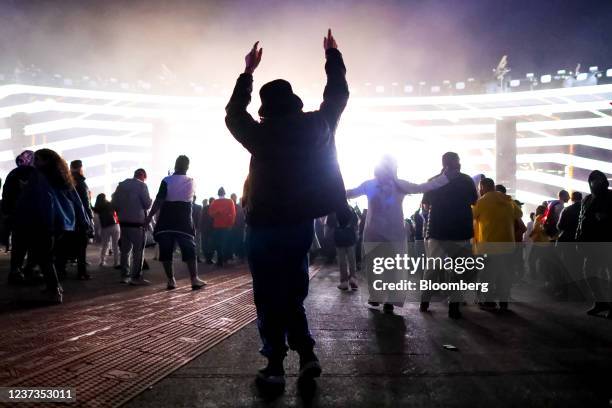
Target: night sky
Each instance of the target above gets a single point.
(382, 40)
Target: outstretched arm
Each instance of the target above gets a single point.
(356, 192)
(336, 92)
(407, 187)
(239, 122)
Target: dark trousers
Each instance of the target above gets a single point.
(19, 244)
(72, 244)
(278, 259)
(238, 242)
(221, 238)
(42, 248)
(208, 245)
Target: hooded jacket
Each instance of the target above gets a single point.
(294, 173)
(595, 222)
(131, 200)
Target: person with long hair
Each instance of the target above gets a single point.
(48, 208)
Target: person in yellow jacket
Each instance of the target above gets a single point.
(495, 217)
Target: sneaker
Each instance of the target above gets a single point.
(353, 283)
(424, 306)
(139, 282)
(388, 308)
(309, 366)
(197, 283)
(372, 305)
(598, 308)
(171, 284)
(273, 375)
(125, 280)
(102, 264)
(503, 306)
(343, 285)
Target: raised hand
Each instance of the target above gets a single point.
(252, 59)
(329, 41)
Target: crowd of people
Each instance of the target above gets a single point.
(294, 199)
(50, 218)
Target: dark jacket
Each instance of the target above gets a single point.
(595, 221)
(568, 223)
(83, 191)
(106, 213)
(450, 210)
(294, 173)
(41, 208)
(14, 185)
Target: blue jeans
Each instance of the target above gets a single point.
(278, 259)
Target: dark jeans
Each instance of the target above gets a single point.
(72, 244)
(221, 238)
(278, 259)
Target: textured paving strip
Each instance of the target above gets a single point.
(110, 349)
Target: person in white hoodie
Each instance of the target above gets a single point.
(131, 201)
(384, 231)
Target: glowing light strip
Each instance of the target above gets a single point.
(455, 115)
(586, 140)
(553, 180)
(93, 140)
(62, 124)
(16, 89)
(532, 198)
(123, 111)
(565, 159)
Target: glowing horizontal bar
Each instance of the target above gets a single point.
(567, 160)
(553, 180)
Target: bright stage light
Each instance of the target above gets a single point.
(545, 79)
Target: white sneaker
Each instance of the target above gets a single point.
(353, 283)
(125, 280)
(197, 283)
(343, 285)
(171, 284)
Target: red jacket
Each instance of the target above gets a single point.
(223, 213)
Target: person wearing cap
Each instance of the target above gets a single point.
(14, 185)
(294, 177)
(131, 201)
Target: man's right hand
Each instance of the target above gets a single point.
(252, 59)
(329, 41)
